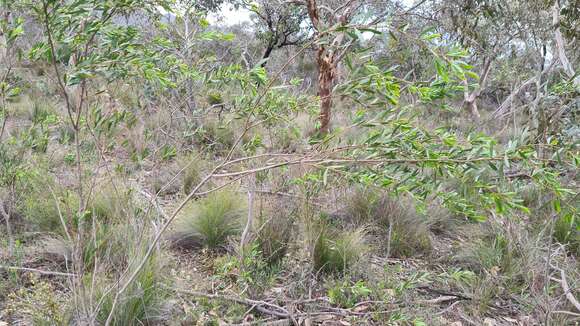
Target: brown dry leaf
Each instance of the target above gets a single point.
(489, 322)
(456, 323)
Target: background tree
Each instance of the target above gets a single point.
(279, 24)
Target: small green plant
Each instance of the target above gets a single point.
(346, 294)
(411, 282)
(209, 221)
(252, 272)
(168, 152)
(336, 251)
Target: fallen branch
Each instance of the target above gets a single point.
(565, 287)
(275, 310)
(43, 272)
(440, 299)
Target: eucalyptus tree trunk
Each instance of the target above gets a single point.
(470, 99)
(326, 80)
(328, 57)
(561, 46)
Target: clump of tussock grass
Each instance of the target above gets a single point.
(440, 220)
(113, 215)
(104, 246)
(335, 251)
(43, 202)
(192, 166)
(273, 233)
(111, 202)
(395, 219)
(217, 136)
(511, 254)
(142, 303)
(567, 231)
(209, 221)
(39, 111)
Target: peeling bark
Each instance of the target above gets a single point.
(327, 59)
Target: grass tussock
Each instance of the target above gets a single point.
(193, 166)
(273, 234)
(143, 303)
(405, 233)
(335, 251)
(511, 255)
(44, 203)
(567, 232)
(209, 221)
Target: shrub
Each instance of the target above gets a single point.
(209, 221)
(346, 293)
(251, 273)
(335, 251)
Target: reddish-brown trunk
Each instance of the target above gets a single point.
(325, 84)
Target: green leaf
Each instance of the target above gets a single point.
(557, 206)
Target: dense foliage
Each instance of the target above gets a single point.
(356, 161)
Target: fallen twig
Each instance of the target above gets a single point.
(440, 299)
(278, 311)
(565, 287)
(43, 272)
